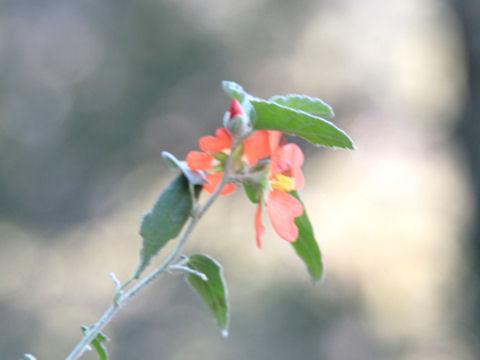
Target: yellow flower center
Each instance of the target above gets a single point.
(282, 183)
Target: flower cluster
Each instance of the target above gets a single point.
(263, 160)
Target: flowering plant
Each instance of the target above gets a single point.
(251, 152)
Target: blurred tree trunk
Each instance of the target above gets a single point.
(469, 132)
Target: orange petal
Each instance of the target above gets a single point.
(228, 189)
(198, 160)
(288, 160)
(214, 180)
(274, 138)
(259, 228)
(221, 142)
(298, 178)
(282, 209)
(256, 146)
(292, 153)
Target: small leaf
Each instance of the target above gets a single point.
(306, 246)
(272, 116)
(165, 220)
(97, 344)
(252, 193)
(196, 177)
(213, 291)
(314, 106)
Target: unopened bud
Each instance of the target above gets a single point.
(236, 108)
(236, 121)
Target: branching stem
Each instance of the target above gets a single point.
(121, 299)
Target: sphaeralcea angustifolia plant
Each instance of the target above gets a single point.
(249, 151)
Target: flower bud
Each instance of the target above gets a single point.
(236, 121)
(235, 108)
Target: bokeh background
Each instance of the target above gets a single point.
(92, 91)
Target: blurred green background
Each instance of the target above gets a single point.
(92, 91)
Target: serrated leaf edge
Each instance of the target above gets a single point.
(353, 147)
(312, 98)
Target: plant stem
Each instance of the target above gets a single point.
(121, 300)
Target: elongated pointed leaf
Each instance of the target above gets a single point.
(268, 115)
(318, 131)
(306, 246)
(196, 177)
(165, 220)
(213, 291)
(97, 344)
(314, 106)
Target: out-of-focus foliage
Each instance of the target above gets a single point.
(82, 83)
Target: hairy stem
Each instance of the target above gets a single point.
(121, 300)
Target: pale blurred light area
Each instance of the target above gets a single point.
(390, 217)
(56, 49)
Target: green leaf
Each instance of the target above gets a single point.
(235, 91)
(165, 220)
(213, 291)
(314, 106)
(318, 131)
(97, 344)
(196, 177)
(306, 246)
(268, 115)
(252, 193)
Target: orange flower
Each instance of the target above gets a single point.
(216, 149)
(198, 160)
(282, 208)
